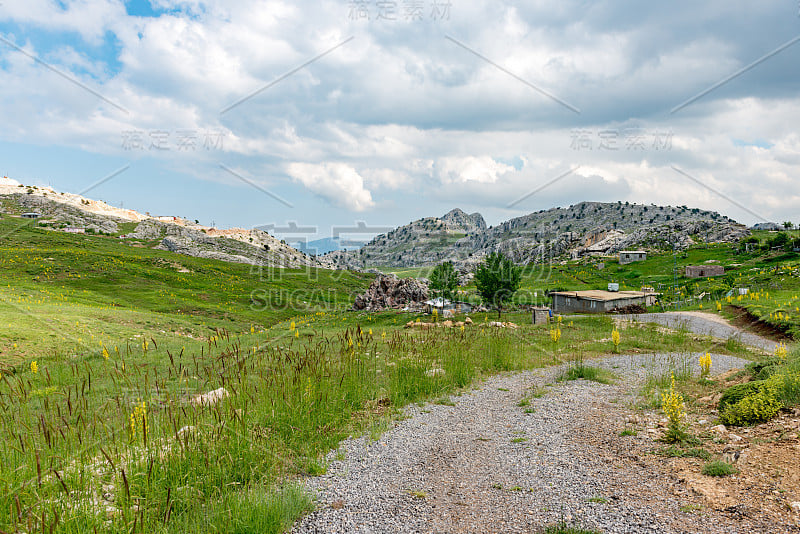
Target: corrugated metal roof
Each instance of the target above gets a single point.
(601, 295)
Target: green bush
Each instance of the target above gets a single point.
(736, 393)
(757, 369)
(718, 468)
(757, 407)
(767, 372)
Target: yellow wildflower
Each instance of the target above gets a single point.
(674, 408)
(705, 364)
(555, 334)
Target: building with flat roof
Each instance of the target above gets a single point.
(630, 256)
(701, 271)
(599, 301)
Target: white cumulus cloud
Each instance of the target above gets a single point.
(336, 182)
(481, 169)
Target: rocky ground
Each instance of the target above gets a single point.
(488, 464)
(238, 246)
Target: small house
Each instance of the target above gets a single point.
(630, 256)
(31, 215)
(702, 271)
(599, 301)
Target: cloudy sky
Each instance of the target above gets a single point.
(330, 112)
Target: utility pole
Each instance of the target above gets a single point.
(675, 274)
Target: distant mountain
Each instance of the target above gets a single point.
(766, 226)
(584, 228)
(319, 247)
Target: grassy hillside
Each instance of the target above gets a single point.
(65, 292)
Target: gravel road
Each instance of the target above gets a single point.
(704, 323)
(485, 465)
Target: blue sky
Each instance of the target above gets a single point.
(327, 113)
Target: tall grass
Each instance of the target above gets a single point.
(659, 378)
(123, 445)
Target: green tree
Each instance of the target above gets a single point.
(780, 240)
(788, 225)
(497, 279)
(444, 279)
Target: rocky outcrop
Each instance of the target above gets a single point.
(67, 214)
(257, 247)
(68, 202)
(459, 221)
(682, 235)
(388, 291)
(174, 234)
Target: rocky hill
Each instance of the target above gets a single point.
(585, 228)
(64, 210)
(423, 242)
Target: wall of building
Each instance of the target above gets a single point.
(701, 271)
(630, 258)
(565, 304)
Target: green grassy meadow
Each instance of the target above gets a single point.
(66, 293)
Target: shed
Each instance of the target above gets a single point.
(630, 256)
(599, 301)
(702, 271)
(31, 215)
(540, 315)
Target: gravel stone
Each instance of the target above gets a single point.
(484, 465)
